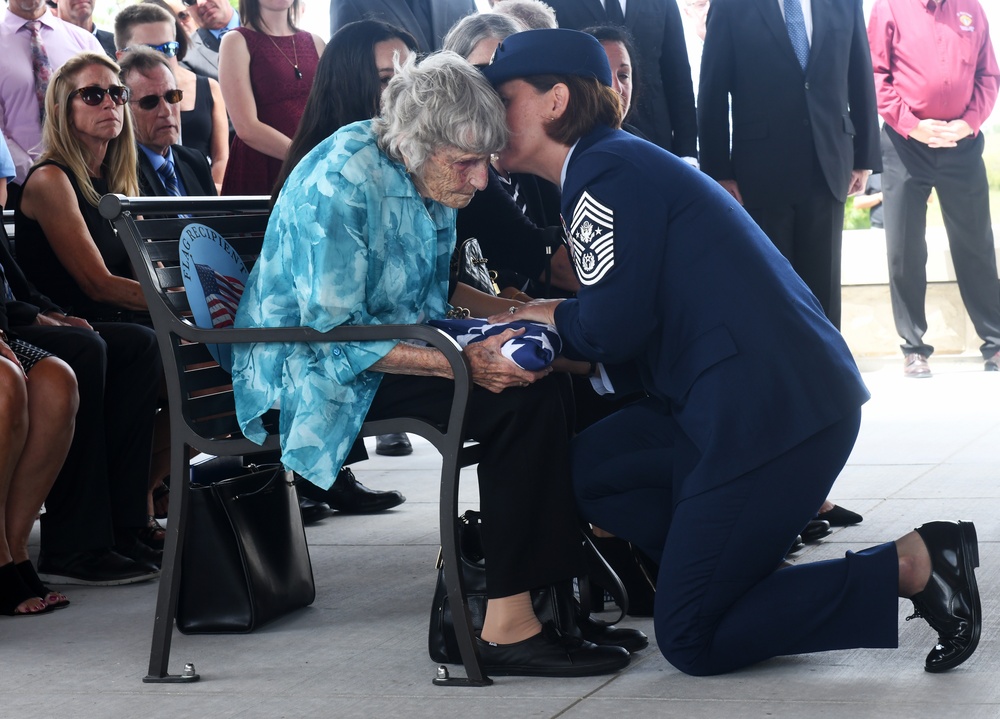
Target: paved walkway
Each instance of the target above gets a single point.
(928, 449)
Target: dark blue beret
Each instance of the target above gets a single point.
(548, 52)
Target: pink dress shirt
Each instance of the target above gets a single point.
(933, 60)
(18, 104)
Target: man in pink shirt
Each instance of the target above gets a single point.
(936, 80)
(20, 118)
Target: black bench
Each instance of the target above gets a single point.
(202, 410)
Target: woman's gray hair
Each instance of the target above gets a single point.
(441, 102)
(467, 32)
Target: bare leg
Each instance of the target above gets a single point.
(510, 619)
(13, 434)
(52, 405)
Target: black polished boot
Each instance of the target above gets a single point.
(349, 496)
(950, 601)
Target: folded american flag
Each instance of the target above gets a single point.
(534, 350)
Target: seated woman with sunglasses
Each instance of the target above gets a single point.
(73, 256)
(204, 123)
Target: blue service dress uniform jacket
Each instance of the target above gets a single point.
(753, 407)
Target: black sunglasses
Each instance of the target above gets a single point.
(151, 102)
(168, 48)
(183, 16)
(189, 3)
(93, 95)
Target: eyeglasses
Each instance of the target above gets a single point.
(168, 48)
(93, 95)
(189, 3)
(151, 102)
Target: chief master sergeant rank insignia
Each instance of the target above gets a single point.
(592, 239)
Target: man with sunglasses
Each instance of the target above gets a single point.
(81, 14)
(216, 18)
(165, 168)
(31, 37)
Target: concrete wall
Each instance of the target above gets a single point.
(867, 313)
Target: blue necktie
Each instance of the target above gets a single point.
(795, 21)
(169, 177)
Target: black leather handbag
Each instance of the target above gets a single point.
(245, 559)
(555, 603)
(469, 267)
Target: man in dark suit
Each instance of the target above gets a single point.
(81, 14)
(165, 168)
(805, 130)
(216, 18)
(663, 109)
(427, 20)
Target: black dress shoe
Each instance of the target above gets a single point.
(950, 601)
(603, 635)
(797, 546)
(815, 531)
(840, 517)
(550, 654)
(393, 445)
(313, 511)
(349, 496)
(95, 567)
(128, 544)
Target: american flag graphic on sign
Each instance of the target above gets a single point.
(222, 295)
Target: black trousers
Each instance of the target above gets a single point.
(910, 170)
(531, 530)
(103, 483)
(809, 233)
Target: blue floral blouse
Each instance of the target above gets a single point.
(350, 241)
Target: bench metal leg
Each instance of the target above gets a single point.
(475, 676)
(170, 576)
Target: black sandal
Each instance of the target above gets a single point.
(14, 592)
(52, 598)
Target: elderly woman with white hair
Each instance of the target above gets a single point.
(362, 233)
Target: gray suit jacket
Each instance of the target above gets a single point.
(444, 14)
(202, 55)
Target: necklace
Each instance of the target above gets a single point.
(295, 54)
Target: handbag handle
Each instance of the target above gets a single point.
(599, 569)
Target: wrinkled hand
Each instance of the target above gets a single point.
(55, 320)
(733, 189)
(492, 370)
(543, 311)
(859, 178)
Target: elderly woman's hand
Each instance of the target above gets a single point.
(536, 311)
(490, 369)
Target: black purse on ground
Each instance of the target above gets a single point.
(555, 603)
(245, 559)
